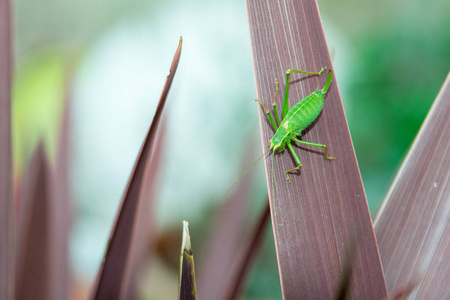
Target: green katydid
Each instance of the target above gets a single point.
(294, 120)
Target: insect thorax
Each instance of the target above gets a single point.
(279, 140)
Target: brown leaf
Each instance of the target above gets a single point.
(60, 208)
(34, 258)
(145, 228)
(346, 276)
(244, 257)
(114, 274)
(313, 216)
(403, 291)
(412, 226)
(223, 242)
(6, 199)
(44, 227)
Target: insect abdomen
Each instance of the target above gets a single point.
(302, 114)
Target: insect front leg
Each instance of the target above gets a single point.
(285, 107)
(297, 160)
(274, 104)
(269, 115)
(315, 145)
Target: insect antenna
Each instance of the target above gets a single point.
(237, 180)
(273, 190)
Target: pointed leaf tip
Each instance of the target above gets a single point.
(173, 68)
(187, 286)
(114, 276)
(186, 246)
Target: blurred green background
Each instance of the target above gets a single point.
(110, 58)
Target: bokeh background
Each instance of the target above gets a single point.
(110, 58)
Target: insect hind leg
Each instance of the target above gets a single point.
(316, 145)
(306, 72)
(285, 107)
(297, 160)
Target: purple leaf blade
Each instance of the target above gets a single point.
(6, 200)
(314, 216)
(412, 226)
(245, 256)
(35, 227)
(114, 276)
(223, 242)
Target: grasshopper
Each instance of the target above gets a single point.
(296, 119)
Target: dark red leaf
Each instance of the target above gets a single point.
(114, 274)
(44, 224)
(60, 209)
(313, 216)
(35, 235)
(402, 291)
(223, 242)
(412, 226)
(6, 200)
(145, 228)
(234, 280)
